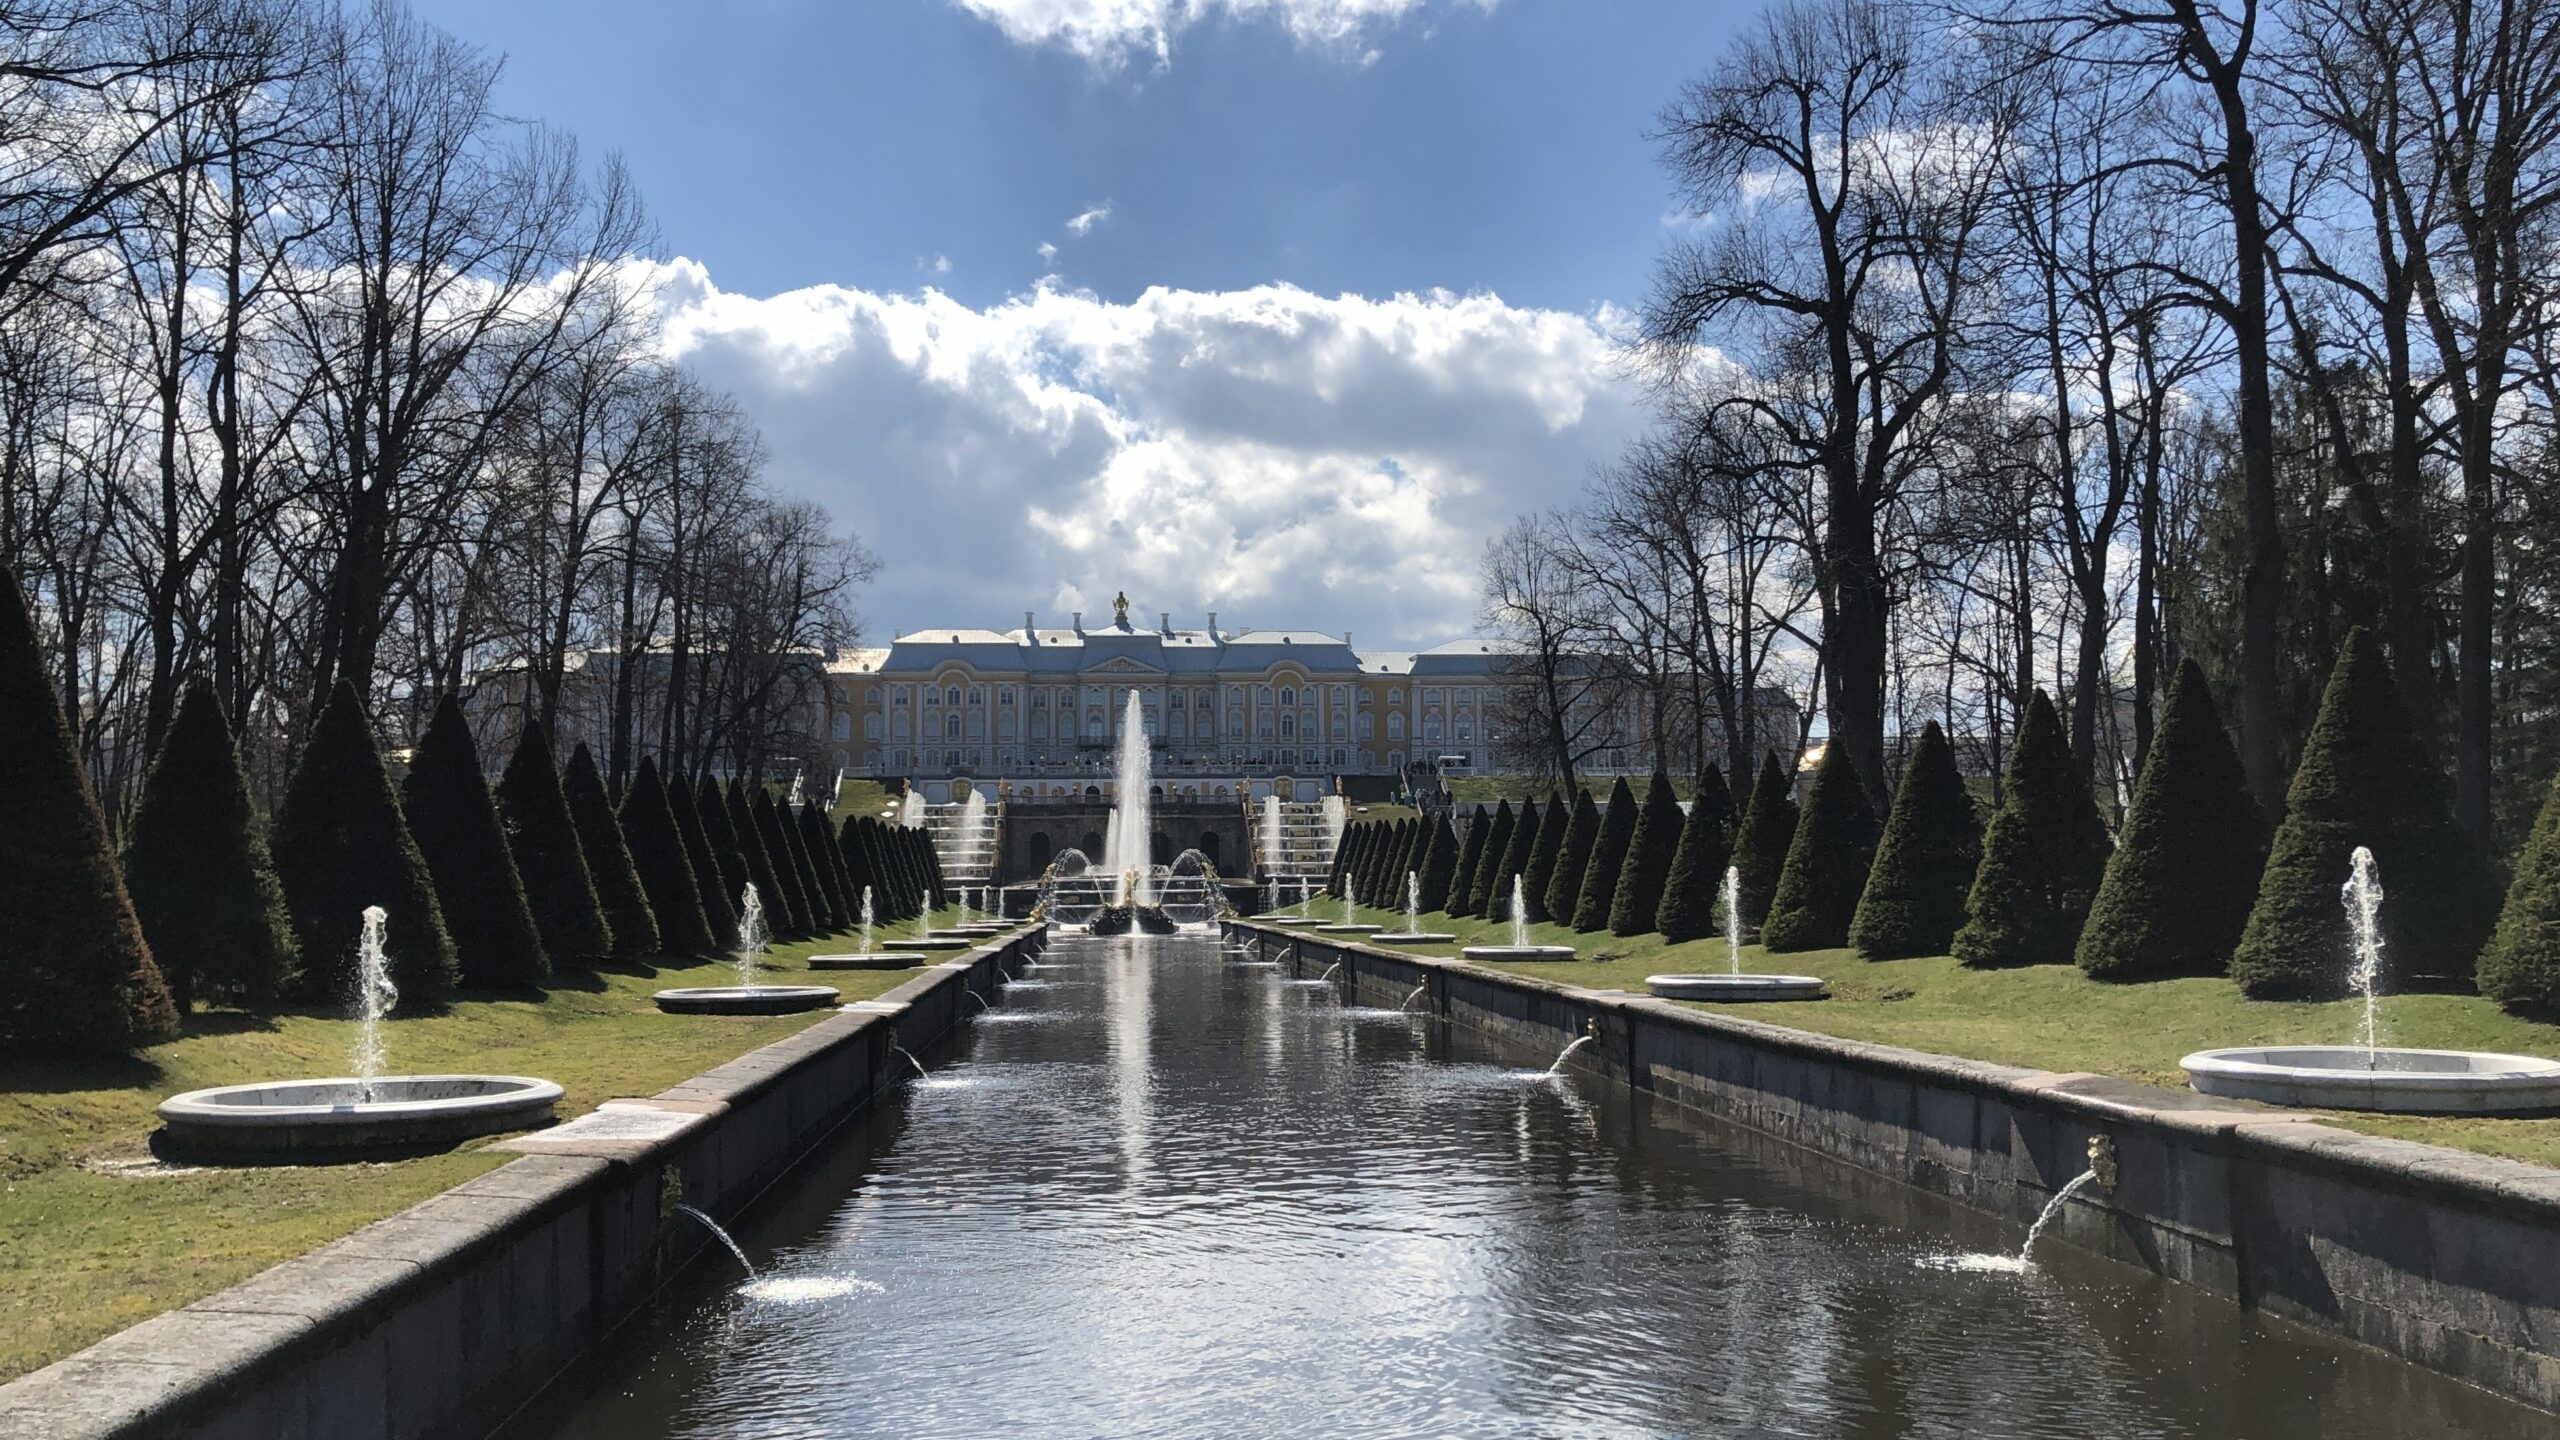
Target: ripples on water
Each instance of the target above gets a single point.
(1191, 1202)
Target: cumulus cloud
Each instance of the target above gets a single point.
(1083, 221)
(1108, 33)
(1281, 457)
(1047, 252)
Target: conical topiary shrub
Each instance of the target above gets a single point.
(1371, 882)
(791, 912)
(809, 832)
(817, 910)
(544, 841)
(718, 911)
(618, 887)
(1924, 868)
(1470, 859)
(341, 845)
(665, 870)
(1546, 854)
(1346, 855)
(1573, 859)
(1762, 840)
(857, 866)
(196, 863)
(1826, 867)
(1648, 865)
(2042, 858)
(1480, 882)
(1696, 878)
(757, 860)
(1493, 886)
(1608, 859)
(2178, 889)
(711, 807)
(446, 801)
(2364, 779)
(1439, 866)
(2520, 969)
(75, 974)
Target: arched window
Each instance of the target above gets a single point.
(1395, 697)
(1431, 727)
(951, 728)
(1395, 727)
(1039, 727)
(951, 696)
(1368, 725)
(1289, 726)
(1341, 726)
(1288, 695)
(898, 727)
(844, 726)
(870, 727)
(1173, 701)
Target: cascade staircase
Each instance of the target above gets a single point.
(966, 860)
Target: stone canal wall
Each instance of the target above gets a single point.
(444, 1318)
(2446, 1259)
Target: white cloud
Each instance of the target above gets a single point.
(1047, 252)
(938, 264)
(1277, 456)
(1108, 32)
(1082, 223)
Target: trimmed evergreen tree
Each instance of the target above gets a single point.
(940, 883)
(2365, 779)
(1470, 859)
(857, 866)
(1346, 855)
(758, 862)
(792, 908)
(2042, 858)
(1924, 867)
(824, 914)
(1826, 868)
(1696, 878)
(2178, 889)
(445, 799)
(666, 871)
(809, 832)
(341, 845)
(549, 860)
(1647, 870)
(711, 806)
(1546, 855)
(1439, 866)
(75, 973)
(1487, 889)
(1762, 840)
(1608, 859)
(886, 838)
(196, 864)
(709, 888)
(1573, 857)
(618, 887)
(1496, 904)
(2520, 969)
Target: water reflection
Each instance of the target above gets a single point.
(1189, 1201)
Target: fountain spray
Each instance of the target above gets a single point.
(1412, 903)
(866, 921)
(2363, 896)
(1519, 914)
(1733, 919)
(753, 934)
(375, 995)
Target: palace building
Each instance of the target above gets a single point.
(1233, 714)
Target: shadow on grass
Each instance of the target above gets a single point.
(67, 1074)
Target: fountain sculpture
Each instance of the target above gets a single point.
(364, 1113)
(2369, 1075)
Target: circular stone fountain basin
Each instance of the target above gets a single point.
(1341, 928)
(1300, 922)
(1731, 989)
(942, 941)
(873, 961)
(746, 999)
(1505, 954)
(2348, 1077)
(979, 927)
(297, 1116)
(1411, 937)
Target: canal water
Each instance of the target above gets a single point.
(1159, 1193)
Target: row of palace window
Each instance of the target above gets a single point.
(955, 696)
(1287, 725)
(975, 759)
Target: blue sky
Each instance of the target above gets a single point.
(1341, 305)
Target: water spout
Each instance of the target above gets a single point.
(375, 995)
(1578, 1042)
(1418, 992)
(866, 922)
(1733, 919)
(2363, 896)
(2053, 1207)
(1350, 902)
(754, 936)
(1329, 972)
(901, 1052)
(973, 995)
(1412, 903)
(720, 1235)
(1129, 850)
(1519, 914)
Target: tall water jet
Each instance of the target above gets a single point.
(911, 809)
(1129, 853)
(866, 919)
(375, 995)
(1412, 903)
(754, 935)
(2362, 895)
(1732, 920)
(1272, 854)
(1519, 914)
(1350, 901)
(1521, 946)
(1337, 818)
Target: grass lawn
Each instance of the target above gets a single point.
(861, 797)
(98, 1235)
(2051, 1017)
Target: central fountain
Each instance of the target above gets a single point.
(863, 956)
(354, 1115)
(750, 996)
(1128, 843)
(1521, 947)
(1734, 987)
(2369, 1075)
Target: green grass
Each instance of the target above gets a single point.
(2052, 1017)
(99, 1236)
(861, 797)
